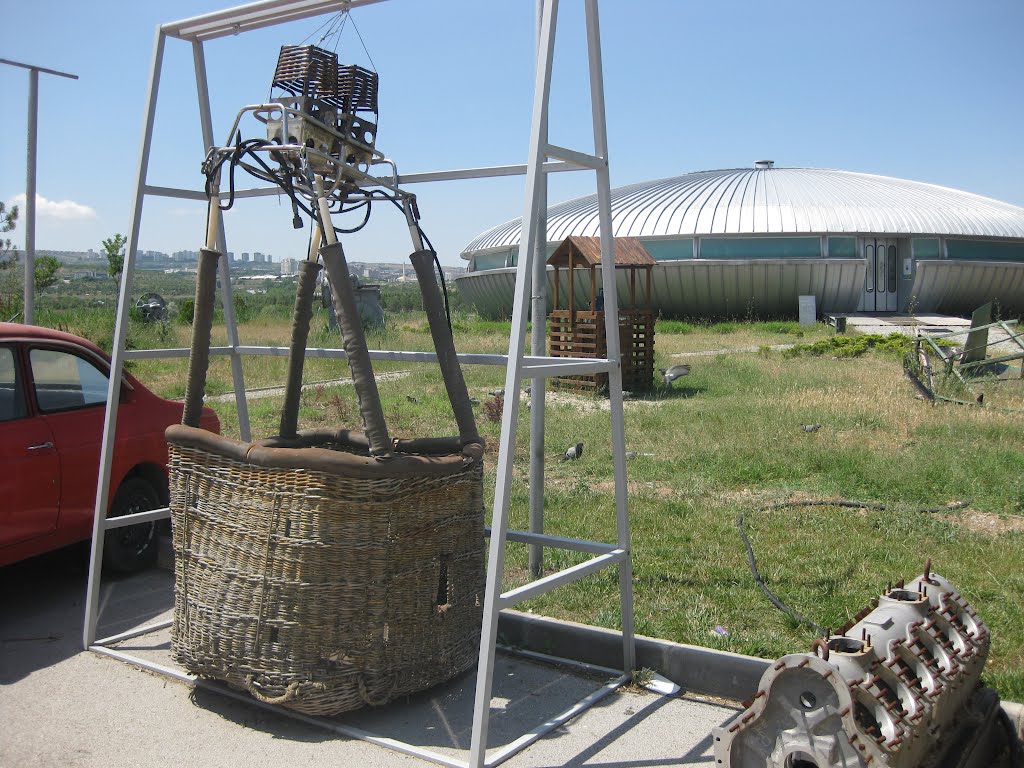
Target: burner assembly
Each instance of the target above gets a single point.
(323, 107)
(321, 129)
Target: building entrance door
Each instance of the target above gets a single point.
(880, 275)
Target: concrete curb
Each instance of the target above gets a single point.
(701, 670)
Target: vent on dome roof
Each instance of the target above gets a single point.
(764, 163)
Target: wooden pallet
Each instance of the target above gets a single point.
(581, 334)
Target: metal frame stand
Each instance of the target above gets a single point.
(543, 158)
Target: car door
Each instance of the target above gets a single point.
(29, 465)
(70, 393)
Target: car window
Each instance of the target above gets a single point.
(12, 404)
(63, 380)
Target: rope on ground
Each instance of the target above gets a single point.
(752, 560)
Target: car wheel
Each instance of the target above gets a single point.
(132, 547)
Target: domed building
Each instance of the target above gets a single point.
(749, 241)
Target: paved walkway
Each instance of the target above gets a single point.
(912, 325)
(61, 706)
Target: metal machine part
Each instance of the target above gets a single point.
(899, 687)
(152, 307)
(323, 106)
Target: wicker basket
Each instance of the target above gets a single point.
(320, 578)
(325, 570)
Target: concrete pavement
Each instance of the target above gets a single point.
(60, 706)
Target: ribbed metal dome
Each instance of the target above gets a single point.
(768, 200)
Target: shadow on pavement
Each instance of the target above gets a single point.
(42, 604)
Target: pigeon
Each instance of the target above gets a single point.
(496, 392)
(673, 373)
(634, 454)
(810, 427)
(573, 452)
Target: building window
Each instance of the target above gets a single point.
(669, 250)
(842, 247)
(984, 250)
(760, 248)
(485, 261)
(926, 248)
(890, 268)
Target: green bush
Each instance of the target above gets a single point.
(895, 344)
(186, 311)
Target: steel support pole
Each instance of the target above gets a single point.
(510, 414)
(30, 197)
(226, 292)
(611, 304)
(124, 304)
(538, 346)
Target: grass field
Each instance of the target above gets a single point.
(725, 440)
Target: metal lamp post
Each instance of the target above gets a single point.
(30, 179)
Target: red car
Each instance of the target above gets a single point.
(53, 392)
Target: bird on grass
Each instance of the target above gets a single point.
(810, 427)
(496, 392)
(573, 452)
(671, 374)
(635, 454)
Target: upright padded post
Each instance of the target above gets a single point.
(202, 324)
(301, 317)
(355, 348)
(444, 345)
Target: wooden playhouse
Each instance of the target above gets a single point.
(577, 329)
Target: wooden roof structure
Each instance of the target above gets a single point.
(577, 250)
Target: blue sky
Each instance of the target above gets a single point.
(924, 90)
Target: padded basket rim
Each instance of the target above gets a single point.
(424, 457)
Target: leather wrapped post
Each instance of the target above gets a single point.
(444, 345)
(202, 324)
(301, 317)
(355, 348)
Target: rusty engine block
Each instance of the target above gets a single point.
(898, 686)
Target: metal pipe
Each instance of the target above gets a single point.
(510, 414)
(612, 332)
(538, 345)
(28, 309)
(227, 295)
(117, 353)
(30, 197)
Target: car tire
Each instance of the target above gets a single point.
(132, 547)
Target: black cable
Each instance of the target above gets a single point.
(752, 561)
(799, 618)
